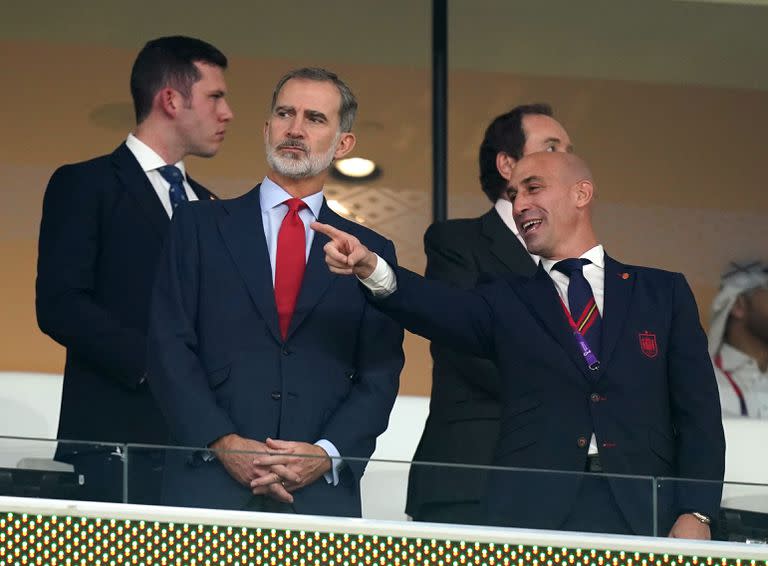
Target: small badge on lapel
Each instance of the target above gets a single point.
(624, 275)
(648, 345)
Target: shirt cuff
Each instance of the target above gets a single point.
(331, 476)
(382, 282)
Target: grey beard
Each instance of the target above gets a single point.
(308, 165)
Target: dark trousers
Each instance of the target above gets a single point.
(265, 504)
(595, 509)
(106, 477)
(456, 512)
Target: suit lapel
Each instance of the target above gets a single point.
(201, 192)
(243, 232)
(619, 284)
(317, 277)
(135, 181)
(541, 297)
(503, 244)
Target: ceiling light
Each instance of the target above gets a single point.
(357, 168)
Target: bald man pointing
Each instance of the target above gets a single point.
(605, 368)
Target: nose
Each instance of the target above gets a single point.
(226, 112)
(520, 205)
(295, 127)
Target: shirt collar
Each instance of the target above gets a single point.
(506, 212)
(595, 255)
(148, 159)
(271, 195)
(733, 359)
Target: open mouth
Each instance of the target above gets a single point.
(531, 225)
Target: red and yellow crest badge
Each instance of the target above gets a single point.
(648, 345)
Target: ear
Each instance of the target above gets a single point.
(169, 101)
(266, 131)
(505, 164)
(739, 309)
(584, 190)
(345, 144)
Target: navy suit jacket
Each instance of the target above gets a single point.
(219, 365)
(653, 404)
(101, 233)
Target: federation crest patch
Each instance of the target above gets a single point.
(648, 345)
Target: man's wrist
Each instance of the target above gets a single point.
(368, 265)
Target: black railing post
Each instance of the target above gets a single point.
(439, 109)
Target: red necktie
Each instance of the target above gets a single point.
(290, 263)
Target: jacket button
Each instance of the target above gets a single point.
(594, 397)
(285, 351)
(276, 395)
(581, 442)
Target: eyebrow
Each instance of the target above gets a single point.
(531, 179)
(316, 114)
(309, 113)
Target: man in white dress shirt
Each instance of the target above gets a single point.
(103, 225)
(465, 403)
(738, 341)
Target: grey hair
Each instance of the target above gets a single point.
(348, 107)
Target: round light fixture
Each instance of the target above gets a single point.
(355, 168)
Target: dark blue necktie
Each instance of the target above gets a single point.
(581, 301)
(175, 179)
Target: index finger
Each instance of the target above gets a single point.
(328, 230)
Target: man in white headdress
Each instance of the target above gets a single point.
(738, 341)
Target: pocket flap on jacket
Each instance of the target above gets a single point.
(662, 445)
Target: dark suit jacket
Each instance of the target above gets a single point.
(100, 236)
(653, 404)
(464, 409)
(218, 364)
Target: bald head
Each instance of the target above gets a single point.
(569, 168)
(552, 196)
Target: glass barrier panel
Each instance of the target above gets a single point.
(53, 469)
(738, 511)
(288, 481)
(528, 498)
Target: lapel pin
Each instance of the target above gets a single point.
(624, 275)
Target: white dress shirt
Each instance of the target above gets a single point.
(505, 209)
(752, 382)
(273, 211)
(382, 282)
(594, 273)
(150, 162)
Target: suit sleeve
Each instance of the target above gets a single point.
(439, 312)
(175, 374)
(67, 308)
(364, 414)
(448, 261)
(695, 407)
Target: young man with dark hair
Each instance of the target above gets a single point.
(463, 422)
(103, 224)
